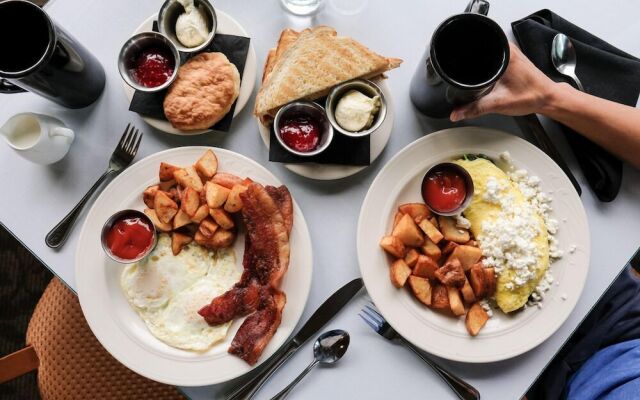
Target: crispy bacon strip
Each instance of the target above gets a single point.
(258, 328)
(236, 302)
(283, 199)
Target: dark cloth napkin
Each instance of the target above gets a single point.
(234, 47)
(343, 150)
(604, 70)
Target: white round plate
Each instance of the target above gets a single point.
(326, 172)
(503, 336)
(117, 326)
(226, 25)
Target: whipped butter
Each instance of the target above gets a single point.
(191, 26)
(355, 111)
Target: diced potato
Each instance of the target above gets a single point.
(425, 267)
(234, 202)
(421, 288)
(208, 227)
(455, 302)
(490, 281)
(417, 211)
(396, 218)
(207, 165)
(215, 194)
(407, 231)
(476, 318)
(393, 246)
(149, 194)
(473, 243)
(181, 219)
(190, 201)
(226, 180)
(477, 279)
(167, 185)
(431, 231)
(439, 297)
(200, 214)
(451, 274)
(166, 171)
(165, 208)
(189, 178)
(174, 194)
(431, 249)
(220, 239)
(451, 232)
(467, 293)
(434, 221)
(448, 248)
(399, 273)
(178, 241)
(466, 254)
(411, 258)
(161, 226)
(222, 218)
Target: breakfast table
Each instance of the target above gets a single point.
(36, 197)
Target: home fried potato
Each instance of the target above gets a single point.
(431, 249)
(222, 218)
(181, 219)
(190, 201)
(476, 318)
(467, 292)
(431, 231)
(467, 255)
(208, 227)
(393, 246)
(407, 231)
(178, 241)
(227, 180)
(451, 232)
(490, 281)
(207, 165)
(417, 211)
(439, 297)
(215, 195)
(188, 178)
(451, 274)
(421, 288)
(399, 273)
(477, 279)
(455, 302)
(234, 202)
(412, 258)
(201, 213)
(166, 171)
(149, 194)
(425, 267)
(396, 218)
(223, 239)
(448, 248)
(167, 185)
(165, 208)
(161, 226)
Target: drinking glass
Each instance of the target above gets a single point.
(301, 7)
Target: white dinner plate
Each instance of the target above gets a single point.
(503, 336)
(226, 25)
(117, 326)
(324, 172)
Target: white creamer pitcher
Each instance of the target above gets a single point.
(38, 138)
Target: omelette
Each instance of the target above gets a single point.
(167, 291)
(511, 233)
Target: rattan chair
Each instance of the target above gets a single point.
(70, 361)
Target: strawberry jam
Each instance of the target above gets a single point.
(300, 133)
(153, 67)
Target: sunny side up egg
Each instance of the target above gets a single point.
(167, 291)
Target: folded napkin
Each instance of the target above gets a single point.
(604, 70)
(234, 47)
(343, 150)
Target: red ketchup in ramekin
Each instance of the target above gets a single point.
(445, 188)
(128, 236)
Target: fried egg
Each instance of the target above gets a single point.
(167, 291)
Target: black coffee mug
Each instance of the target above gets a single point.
(468, 53)
(38, 56)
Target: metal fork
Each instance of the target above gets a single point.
(122, 156)
(377, 322)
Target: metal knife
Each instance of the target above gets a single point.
(532, 126)
(323, 314)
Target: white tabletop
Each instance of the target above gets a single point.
(35, 198)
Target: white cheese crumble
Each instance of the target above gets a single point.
(487, 307)
(462, 222)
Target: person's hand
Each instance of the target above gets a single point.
(523, 89)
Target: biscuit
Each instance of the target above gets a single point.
(203, 93)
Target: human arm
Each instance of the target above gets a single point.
(524, 89)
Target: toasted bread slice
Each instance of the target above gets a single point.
(317, 61)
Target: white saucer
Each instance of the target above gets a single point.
(226, 25)
(327, 172)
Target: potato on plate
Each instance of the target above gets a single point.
(421, 288)
(448, 248)
(399, 273)
(181, 219)
(451, 232)
(190, 201)
(431, 249)
(439, 297)
(396, 218)
(425, 267)
(178, 241)
(223, 239)
(393, 246)
(215, 195)
(234, 202)
(167, 185)
(161, 226)
(467, 255)
(476, 318)
(455, 302)
(417, 211)
(490, 281)
(431, 231)
(165, 208)
(207, 165)
(222, 218)
(451, 274)
(227, 180)
(407, 231)
(478, 281)
(149, 194)
(201, 213)
(208, 227)
(188, 178)
(412, 258)
(166, 171)
(467, 292)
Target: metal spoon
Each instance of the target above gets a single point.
(328, 348)
(563, 57)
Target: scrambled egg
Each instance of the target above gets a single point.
(511, 233)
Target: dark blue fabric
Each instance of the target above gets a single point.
(613, 373)
(614, 319)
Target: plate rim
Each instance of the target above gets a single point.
(367, 276)
(209, 379)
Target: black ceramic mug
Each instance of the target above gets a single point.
(39, 56)
(467, 54)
